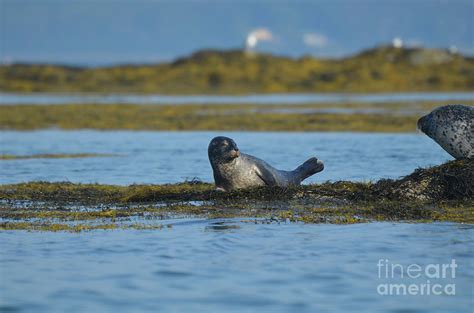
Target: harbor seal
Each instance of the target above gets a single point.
(235, 170)
(452, 127)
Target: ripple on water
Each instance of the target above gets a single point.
(275, 268)
(172, 274)
(145, 162)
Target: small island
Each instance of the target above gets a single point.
(440, 193)
(381, 69)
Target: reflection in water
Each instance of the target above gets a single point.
(221, 226)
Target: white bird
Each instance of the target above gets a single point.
(256, 35)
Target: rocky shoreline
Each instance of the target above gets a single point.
(440, 193)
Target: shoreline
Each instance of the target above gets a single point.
(344, 117)
(380, 69)
(438, 194)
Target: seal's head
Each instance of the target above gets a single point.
(451, 126)
(427, 124)
(445, 119)
(222, 150)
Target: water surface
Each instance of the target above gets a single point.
(293, 98)
(169, 157)
(202, 265)
(223, 265)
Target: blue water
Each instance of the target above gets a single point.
(296, 98)
(170, 157)
(224, 265)
(202, 266)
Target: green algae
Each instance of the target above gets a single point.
(449, 181)
(441, 193)
(227, 117)
(55, 227)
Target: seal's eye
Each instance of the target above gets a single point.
(224, 144)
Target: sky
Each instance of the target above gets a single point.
(105, 32)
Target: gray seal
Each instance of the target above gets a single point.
(452, 127)
(235, 170)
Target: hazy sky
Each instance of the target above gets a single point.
(97, 32)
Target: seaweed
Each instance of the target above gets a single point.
(380, 69)
(439, 193)
(222, 117)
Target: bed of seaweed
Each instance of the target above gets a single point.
(362, 117)
(440, 193)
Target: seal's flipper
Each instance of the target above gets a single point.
(308, 168)
(266, 175)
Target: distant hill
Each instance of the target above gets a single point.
(381, 69)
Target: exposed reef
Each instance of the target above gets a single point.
(361, 117)
(440, 193)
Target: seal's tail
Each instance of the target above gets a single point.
(308, 168)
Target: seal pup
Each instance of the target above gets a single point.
(235, 170)
(452, 127)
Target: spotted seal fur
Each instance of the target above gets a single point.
(452, 127)
(235, 170)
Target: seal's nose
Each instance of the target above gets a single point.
(235, 153)
(422, 123)
(418, 124)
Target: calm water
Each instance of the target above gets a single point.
(232, 265)
(169, 157)
(202, 266)
(49, 98)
